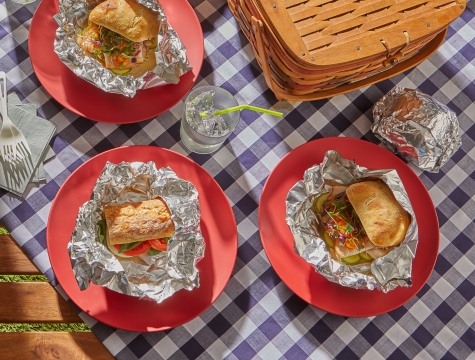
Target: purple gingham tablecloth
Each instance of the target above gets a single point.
(257, 316)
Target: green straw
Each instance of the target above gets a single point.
(243, 107)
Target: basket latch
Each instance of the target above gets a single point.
(392, 60)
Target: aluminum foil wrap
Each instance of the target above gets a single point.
(170, 54)
(418, 127)
(153, 277)
(386, 273)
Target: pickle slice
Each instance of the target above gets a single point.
(120, 71)
(154, 43)
(319, 202)
(328, 240)
(366, 256)
(353, 259)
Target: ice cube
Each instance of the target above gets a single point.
(211, 125)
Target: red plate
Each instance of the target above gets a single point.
(93, 103)
(130, 313)
(301, 276)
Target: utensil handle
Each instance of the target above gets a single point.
(3, 95)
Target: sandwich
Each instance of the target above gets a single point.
(133, 229)
(361, 222)
(121, 35)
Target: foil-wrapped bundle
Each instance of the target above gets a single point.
(385, 273)
(154, 277)
(170, 53)
(416, 126)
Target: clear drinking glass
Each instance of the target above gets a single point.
(201, 138)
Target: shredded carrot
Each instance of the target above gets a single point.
(350, 244)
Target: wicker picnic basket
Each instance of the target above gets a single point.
(315, 49)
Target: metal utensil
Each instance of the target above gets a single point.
(13, 145)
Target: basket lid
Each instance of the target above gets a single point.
(330, 32)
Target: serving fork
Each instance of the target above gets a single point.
(13, 145)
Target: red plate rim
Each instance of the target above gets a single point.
(109, 306)
(63, 85)
(272, 216)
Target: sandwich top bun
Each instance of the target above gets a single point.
(382, 216)
(127, 18)
(140, 221)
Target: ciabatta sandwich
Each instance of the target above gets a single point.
(137, 228)
(362, 222)
(121, 35)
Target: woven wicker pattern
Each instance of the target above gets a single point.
(320, 48)
(324, 22)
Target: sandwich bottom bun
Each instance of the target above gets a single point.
(114, 251)
(138, 71)
(148, 65)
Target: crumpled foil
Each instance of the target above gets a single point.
(421, 129)
(386, 273)
(153, 277)
(170, 53)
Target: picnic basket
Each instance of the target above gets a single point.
(314, 49)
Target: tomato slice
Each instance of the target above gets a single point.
(138, 250)
(158, 244)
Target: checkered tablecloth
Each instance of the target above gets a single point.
(257, 316)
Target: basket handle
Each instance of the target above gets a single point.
(258, 29)
(392, 60)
